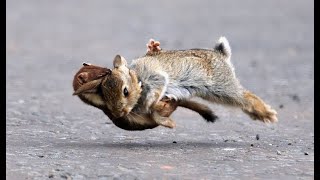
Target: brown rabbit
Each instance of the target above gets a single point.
(87, 85)
(180, 75)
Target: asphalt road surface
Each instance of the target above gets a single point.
(53, 135)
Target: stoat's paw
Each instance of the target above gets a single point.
(169, 97)
(153, 46)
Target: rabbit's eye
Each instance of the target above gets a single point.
(125, 92)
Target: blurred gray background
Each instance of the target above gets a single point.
(52, 134)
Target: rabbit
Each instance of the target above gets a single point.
(87, 85)
(180, 75)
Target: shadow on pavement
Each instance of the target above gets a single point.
(159, 145)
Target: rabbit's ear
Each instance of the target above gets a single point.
(89, 87)
(119, 61)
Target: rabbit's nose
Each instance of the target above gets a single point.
(126, 111)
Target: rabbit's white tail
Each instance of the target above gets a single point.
(223, 47)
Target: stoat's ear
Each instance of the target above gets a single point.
(83, 77)
(89, 87)
(119, 61)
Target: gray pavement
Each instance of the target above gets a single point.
(51, 134)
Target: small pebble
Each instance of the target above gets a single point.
(289, 143)
(278, 152)
(281, 106)
(295, 98)
(174, 142)
(226, 140)
(93, 138)
(306, 153)
(66, 176)
(251, 145)
(257, 137)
